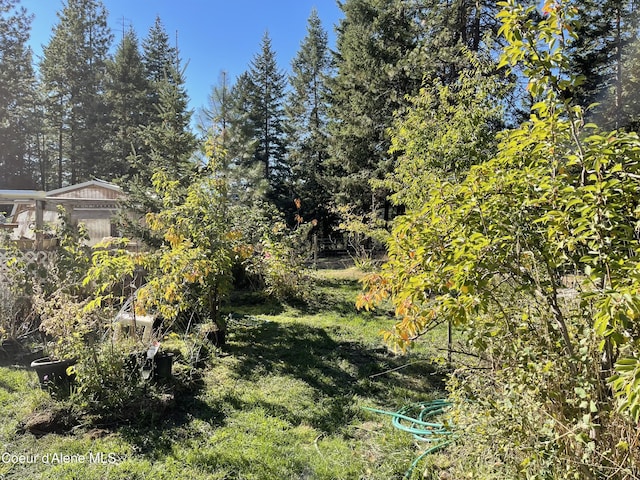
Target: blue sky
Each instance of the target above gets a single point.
(213, 35)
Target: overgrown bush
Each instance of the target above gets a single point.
(272, 255)
(280, 262)
(555, 393)
(17, 318)
(107, 382)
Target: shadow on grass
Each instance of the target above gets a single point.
(329, 295)
(338, 370)
(155, 436)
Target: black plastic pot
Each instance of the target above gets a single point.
(53, 374)
(217, 337)
(163, 363)
(157, 369)
(10, 349)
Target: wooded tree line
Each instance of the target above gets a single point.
(320, 133)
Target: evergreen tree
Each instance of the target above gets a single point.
(605, 30)
(73, 72)
(160, 61)
(448, 28)
(166, 118)
(169, 145)
(217, 115)
(247, 183)
(167, 142)
(630, 112)
(375, 38)
(17, 92)
(307, 119)
(126, 96)
(386, 50)
(266, 116)
(171, 141)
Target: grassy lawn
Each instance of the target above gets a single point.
(282, 401)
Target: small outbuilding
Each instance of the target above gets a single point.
(34, 213)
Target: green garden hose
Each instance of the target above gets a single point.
(413, 419)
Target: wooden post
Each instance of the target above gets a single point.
(39, 224)
(315, 250)
(449, 341)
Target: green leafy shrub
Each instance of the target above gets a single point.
(107, 382)
(555, 392)
(273, 256)
(281, 262)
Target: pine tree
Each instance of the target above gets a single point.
(17, 96)
(375, 38)
(217, 115)
(605, 31)
(307, 119)
(126, 96)
(160, 62)
(266, 116)
(247, 183)
(73, 71)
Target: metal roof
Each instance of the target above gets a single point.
(22, 195)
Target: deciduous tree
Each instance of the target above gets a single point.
(494, 253)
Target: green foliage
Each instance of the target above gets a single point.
(107, 382)
(364, 234)
(60, 300)
(604, 56)
(268, 254)
(72, 259)
(307, 118)
(216, 116)
(256, 143)
(471, 108)
(15, 312)
(126, 96)
(63, 317)
(280, 262)
(17, 96)
(191, 268)
(159, 58)
(371, 82)
(247, 183)
(16, 290)
(492, 254)
(73, 70)
(167, 141)
(286, 404)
